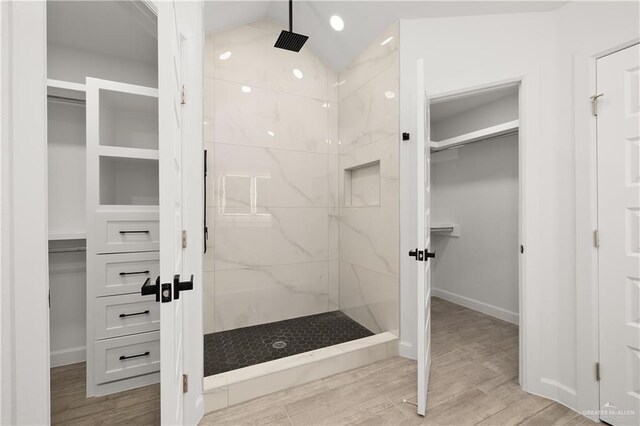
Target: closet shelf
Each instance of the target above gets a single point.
(449, 229)
(125, 152)
(61, 236)
(66, 90)
(502, 129)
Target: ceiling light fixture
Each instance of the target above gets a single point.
(297, 73)
(389, 94)
(224, 56)
(336, 23)
(387, 40)
(246, 89)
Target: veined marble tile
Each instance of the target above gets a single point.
(279, 178)
(333, 126)
(241, 54)
(379, 56)
(209, 55)
(277, 236)
(260, 295)
(334, 233)
(333, 164)
(253, 116)
(369, 238)
(334, 285)
(211, 181)
(386, 151)
(208, 294)
(369, 297)
(245, 54)
(370, 113)
(208, 111)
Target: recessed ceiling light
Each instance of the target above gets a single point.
(389, 94)
(270, 133)
(336, 23)
(297, 73)
(387, 40)
(224, 56)
(246, 89)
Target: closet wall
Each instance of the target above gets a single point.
(369, 183)
(476, 187)
(271, 138)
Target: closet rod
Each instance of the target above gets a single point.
(68, 250)
(442, 229)
(65, 99)
(488, 138)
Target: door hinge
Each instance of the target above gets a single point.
(597, 371)
(596, 238)
(594, 104)
(185, 383)
(184, 239)
(183, 95)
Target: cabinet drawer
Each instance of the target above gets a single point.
(127, 314)
(123, 273)
(118, 232)
(124, 357)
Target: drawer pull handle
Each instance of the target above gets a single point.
(122, 274)
(134, 314)
(123, 357)
(134, 232)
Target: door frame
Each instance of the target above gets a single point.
(586, 178)
(25, 367)
(520, 82)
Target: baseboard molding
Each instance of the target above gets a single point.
(406, 350)
(68, 356)
(476, 305)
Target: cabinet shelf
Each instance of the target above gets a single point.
(125, 152)
(72, 235)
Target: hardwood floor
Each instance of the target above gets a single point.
(70, 406)
(473, 381)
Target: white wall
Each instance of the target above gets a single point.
(69, 64)
(540, 47)
(476, 187)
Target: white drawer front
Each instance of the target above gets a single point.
(118, 232)
(124, 357)
(127, 314)
(124, 273)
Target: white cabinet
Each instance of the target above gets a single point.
(123, 233)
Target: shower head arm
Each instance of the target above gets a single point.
(291, 16)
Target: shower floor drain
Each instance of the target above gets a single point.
(279, 344)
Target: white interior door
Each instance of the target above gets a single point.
(619, 226)
(424, 238)
(179, 34)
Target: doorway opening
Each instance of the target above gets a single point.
(103, 220)
(475, 233)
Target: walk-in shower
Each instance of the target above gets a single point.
(302, 201)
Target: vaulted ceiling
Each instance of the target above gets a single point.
(364, 20)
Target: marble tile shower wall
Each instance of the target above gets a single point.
(369, 229)
(271, 134)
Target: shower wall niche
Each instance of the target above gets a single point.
(302, 200)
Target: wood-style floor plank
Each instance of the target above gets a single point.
(474, 380)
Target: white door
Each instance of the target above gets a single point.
(422, 254)
(618, 132)
(179, 35)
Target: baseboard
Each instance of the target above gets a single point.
(406, 350)
(68, 356)
(476, 305)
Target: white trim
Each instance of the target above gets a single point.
(68, 356)
(477, 305)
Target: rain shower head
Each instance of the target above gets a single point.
(289, 40)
